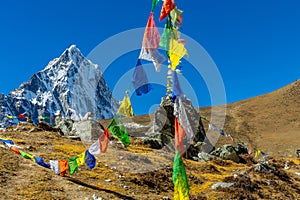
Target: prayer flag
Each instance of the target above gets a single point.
(222, 132)
(257, 153)
(169, 33)
(180, 180)
(103, 139)
(22, 116)
(179, 137)
(72, 164)
(153, 56)
(16, 150)
(176, 89)
(180, 113)
(154, 3)
(140, 80)
(167, 7)
(95, 148)
(250, 149)
(151, 35)
(54, 166)
(6, 141)
(40, 161)
(89, 159)
(231, 138)
(27, 155)
(80, 159)
(118, 130)
(125, 108)
(176, 52)
(176, 17)
(63, 167)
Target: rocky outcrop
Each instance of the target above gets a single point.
(162, 133)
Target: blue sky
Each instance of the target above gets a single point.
(254, 44)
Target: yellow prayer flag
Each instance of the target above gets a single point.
(257, 153)
(9, 117)
(176, 52)
(80, 159)
(180, 192)
(125, 108)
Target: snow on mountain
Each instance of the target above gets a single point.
(70, 83)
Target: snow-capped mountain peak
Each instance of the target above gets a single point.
(70, 83)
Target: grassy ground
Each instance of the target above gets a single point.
(134, 173)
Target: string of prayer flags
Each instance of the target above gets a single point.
(103, 139)
(89, 159)
(40, 161)
(179, 137)
(125, 108)
(63, 167)
(167, 7)
(54, 166)
(180, 180)
(72, 164)
(169, 80)
(11, 117)
(117, 129)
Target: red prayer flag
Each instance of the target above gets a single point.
(167, 7)
(63, 167)
(179, 137)
(151, 36)
(16, 150)
(250, 149)
(103, 141)
(22, 116)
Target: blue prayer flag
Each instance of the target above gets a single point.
(176, 89)
(89, 159)
(40, 161)
(7, 141)
(140, 80)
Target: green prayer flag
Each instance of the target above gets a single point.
(27, 155)
(154, 4)
(179, 177)
(73, 166)
(169, 33)
(117, 129)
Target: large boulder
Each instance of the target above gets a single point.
(64, 126)
(227, 152)
(88, 130)
(162, 133)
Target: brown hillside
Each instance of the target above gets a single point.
(271, 122)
